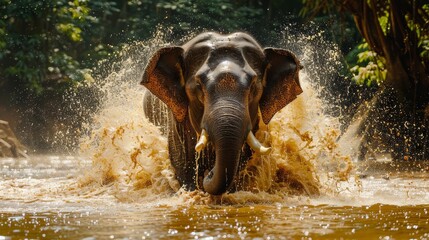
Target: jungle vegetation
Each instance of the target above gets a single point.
(48, 48)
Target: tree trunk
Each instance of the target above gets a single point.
(397, 112)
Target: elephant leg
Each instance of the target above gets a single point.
(181, 144)
(181, 139)
(156, 111)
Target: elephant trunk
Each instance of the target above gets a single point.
(227, 129)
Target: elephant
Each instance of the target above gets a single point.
(217, 88)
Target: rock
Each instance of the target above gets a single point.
(9, 144)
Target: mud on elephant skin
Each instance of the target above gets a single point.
(217, 88)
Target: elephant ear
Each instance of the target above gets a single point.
(163, 77)
(281, 81)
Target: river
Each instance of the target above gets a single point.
(40, 198)
(119, 184)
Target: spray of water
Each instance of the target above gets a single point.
(130, 155)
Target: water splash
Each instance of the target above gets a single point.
(130, 154)
(126, 158)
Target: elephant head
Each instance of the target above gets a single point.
(220, 83)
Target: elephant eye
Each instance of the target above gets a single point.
(199, 91)
(253, 84)
(254, 89)
(198, 86)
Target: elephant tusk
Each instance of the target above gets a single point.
(202, 142)
(256, 145)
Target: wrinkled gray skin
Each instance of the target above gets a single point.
(217, 83)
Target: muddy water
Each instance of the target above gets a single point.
(40, 198)
(120, 183)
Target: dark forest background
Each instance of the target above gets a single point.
(49, 51)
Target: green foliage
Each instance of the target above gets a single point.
(424, 44)
(368, 69)
(140, 17)
(40, 39)
(422, 34)
(51, 44)
(313, 7)
(401, 23)
(222, 15)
